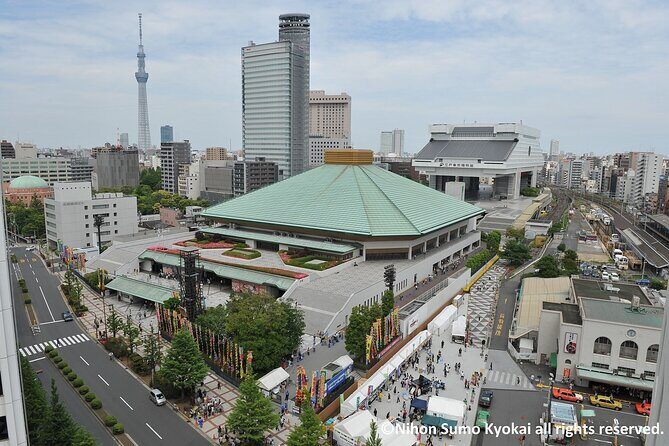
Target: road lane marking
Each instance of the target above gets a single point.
(37, 359)
(85, 362)
(65, 341)
(36, 279)
(81, 337)
(51, 322)
(153, 430)
(126, 403)
(103, 380)
(47, 303)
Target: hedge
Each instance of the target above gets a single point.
(110, 420)
(71, 376)
(57, 359)
(78, 383)
(48, 348)
(96, 404)
(53, 353)
(90, 396)
(83, 390)
(66, 370)
(118, 429)
(62, 365)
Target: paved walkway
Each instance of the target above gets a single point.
(482, 303)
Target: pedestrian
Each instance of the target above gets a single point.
(490, 365)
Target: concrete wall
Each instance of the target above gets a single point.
(117, 169)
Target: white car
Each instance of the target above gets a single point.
(615, 277)
(30, 248)
(606, 275)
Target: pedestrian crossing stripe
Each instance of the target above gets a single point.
(56, 343)
(509, 379)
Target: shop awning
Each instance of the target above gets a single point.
(616, 380)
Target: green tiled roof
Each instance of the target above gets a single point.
(354, 199)
(621, 313)
(608, 377)
(228, 272)
(283, 240)
(139, 288)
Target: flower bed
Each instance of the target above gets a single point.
(246, 254)
(301, 260)
(206, 244)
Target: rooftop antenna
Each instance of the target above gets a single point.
(140, 28)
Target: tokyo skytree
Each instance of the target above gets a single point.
(143, 133)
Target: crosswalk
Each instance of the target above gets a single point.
(56, 343)
(509, 379)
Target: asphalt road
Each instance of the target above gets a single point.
(521, 408)
(121, 394)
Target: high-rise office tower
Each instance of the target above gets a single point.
(329, 124)
(173, 155)
(166, 133)
(555, 150)
(392, 142)
(143, 133)
(275, 97)
(124, 141)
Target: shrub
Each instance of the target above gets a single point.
(62, 365)
(83, 390)
(48, 349)
(110, 420)
(90, 396)
(96, 404)
(53, 354)
(241, 245)
(78, 382)
(22, 283)
(27, 301)
(137, 364)
(117, 346)
(66, 370)
(57, 359)
(118, 429)
(71, 376)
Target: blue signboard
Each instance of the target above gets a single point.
(336, 380)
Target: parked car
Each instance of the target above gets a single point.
(615, 277)
(67, 316)
(642, 409)
(606, 275)
(30, 248)
(567, 395)
(486, 398)
(606, 402)
(157, 397)
(482, 418)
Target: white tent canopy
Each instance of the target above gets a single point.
(446, 408)
(443, 319)
(273, 379)
(356, 428)
(382, 374)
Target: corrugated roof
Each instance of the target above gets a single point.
(608, 377)
(661, 219)
(138, 288)
(621, 313)
(353, 199)
(279, 239)
(485, 150)
(534, 292)
(226, 271)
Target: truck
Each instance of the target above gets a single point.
(606, 220)
(622, 262)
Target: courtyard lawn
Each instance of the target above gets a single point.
(241, 253)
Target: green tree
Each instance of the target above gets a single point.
(271, 329)
(389, 276)
(562, 247)
(183, 366)
(35, 401)
(516, 252)
(548, 267)
(387, 302)
(59, 429)
(98, 222)
(151, 177)
(114, 323)
(310, 430)
(132, 336)
(373, 439)
(516, 233)
(492, 241)
(253, 413)
(570, 262)
(476, 261)
(213, 319)
(153, 354)
(359, 324)
(83, 438)
(172, 304)
(657, 284)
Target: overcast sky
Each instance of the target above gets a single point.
(593, 74)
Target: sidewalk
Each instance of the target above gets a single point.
(217, 390)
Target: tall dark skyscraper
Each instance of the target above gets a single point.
(166, 134)
(275, 97)
(143, 132)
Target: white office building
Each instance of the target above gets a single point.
(69, 215)
(659, 413)
(392, 142)
(329, 124)
(555, 150)
(647, 176)
(51, 170)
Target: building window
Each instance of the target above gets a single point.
(602, 346)
(629, 350)
(626, 371)
(648, 374)
(599, 365)
(88, 234)
(651, 354)
(4, 435)
(87, 225)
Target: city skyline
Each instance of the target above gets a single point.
(576, 73)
